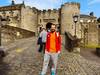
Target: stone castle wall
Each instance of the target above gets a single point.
(13, 16)
(46, 16)
(93, 34)
(32, 19)
(98, 33)
(29, 18)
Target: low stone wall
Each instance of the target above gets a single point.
(71, 42)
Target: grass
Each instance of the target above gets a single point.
(92, 46)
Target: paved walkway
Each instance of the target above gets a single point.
(24, 59)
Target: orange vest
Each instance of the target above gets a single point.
(52, 43)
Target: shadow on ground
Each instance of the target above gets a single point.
(4, 67)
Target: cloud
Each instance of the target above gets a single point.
(93, 2)
(41, 4)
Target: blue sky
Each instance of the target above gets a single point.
(87, 6)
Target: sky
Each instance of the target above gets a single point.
(87, 6)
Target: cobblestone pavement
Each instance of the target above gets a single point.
(24, 59)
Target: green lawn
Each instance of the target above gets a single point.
(92, 46)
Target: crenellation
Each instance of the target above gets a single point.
(72, 4)
(44, 11)
(34, 9)
(49, 10)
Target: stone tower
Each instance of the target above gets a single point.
(68, 10)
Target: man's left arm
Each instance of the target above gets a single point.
(59, 39)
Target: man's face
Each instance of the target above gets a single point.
(53, 28)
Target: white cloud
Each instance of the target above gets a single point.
(41, 4)
(93, 2)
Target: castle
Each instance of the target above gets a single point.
(32, 19)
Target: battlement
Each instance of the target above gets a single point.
(34, 9)
(49, 10)
(71, 3)
(31, 9)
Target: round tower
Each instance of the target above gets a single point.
(68, 10)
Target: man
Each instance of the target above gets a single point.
(43, 35)
(53, 48)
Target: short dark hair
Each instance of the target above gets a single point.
(48, 25)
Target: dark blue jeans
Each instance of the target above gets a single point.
(42, 47)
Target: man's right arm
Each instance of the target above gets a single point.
(46, 47)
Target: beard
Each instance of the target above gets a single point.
(53, 30)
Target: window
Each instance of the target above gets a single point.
(40, 20)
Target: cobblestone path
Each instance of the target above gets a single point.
(24, 59)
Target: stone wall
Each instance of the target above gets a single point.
(89, 31)
(45, 16)
(29, 18)
(13, 17)
(98, 33)
(93, 34)
(11, 34)
(32, 19)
